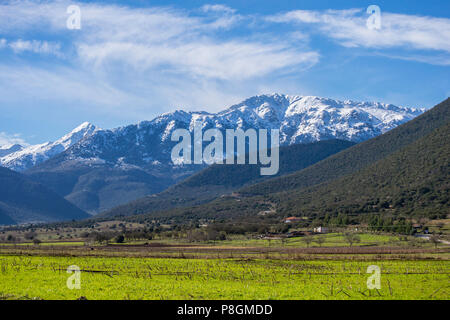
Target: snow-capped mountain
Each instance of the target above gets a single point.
(24, 158)
(307, 118)
(7, 149)
(301, 119)
(106, 168)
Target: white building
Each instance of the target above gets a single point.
(321, 230)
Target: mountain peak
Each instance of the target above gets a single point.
(10, 148)
(84, 126)
(300, 119)
(24, 158)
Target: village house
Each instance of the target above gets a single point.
(321, 230)
(292, 219)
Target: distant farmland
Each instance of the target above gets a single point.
(222, 272)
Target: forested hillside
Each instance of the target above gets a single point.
(359, 156)
(218, 180)
(412, 181)
(23, 201)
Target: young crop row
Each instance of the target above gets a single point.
(147, 278)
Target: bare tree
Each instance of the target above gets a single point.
(351, 238)
(307, 240)
(434, 240)
(319, 240)
(30, 235)
(440, 225)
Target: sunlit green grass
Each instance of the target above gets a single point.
(331, 240)
(147, 278)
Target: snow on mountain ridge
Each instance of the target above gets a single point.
(35, 154)
(301, 119)
(9, 148)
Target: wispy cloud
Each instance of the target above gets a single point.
(183, 42)
(223, 16)
(153, 59)
(218, 8)
(150, 48)
(35, 46)
(348, 28)
(231, 60)
(11, 139)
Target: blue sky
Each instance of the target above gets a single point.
(133, 60)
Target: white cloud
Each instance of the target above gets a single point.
(217, 8)
(348, 27)
(178, 42)
(164, 38)
(7, 140)
(36, 46)
(233, 60)
(223, 17)
(437, 59)
(136, 62)
(18, 16)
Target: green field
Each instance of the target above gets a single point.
(37, 277)
(241, 267)
(330, 240)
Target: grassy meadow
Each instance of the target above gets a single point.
(38, 277)
(237, 268)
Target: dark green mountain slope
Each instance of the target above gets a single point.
(95, 189)
(359, 156)
(412, 181)
(23, 200)
(217, 180)
(5, 219)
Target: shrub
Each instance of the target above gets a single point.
(120, 238)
